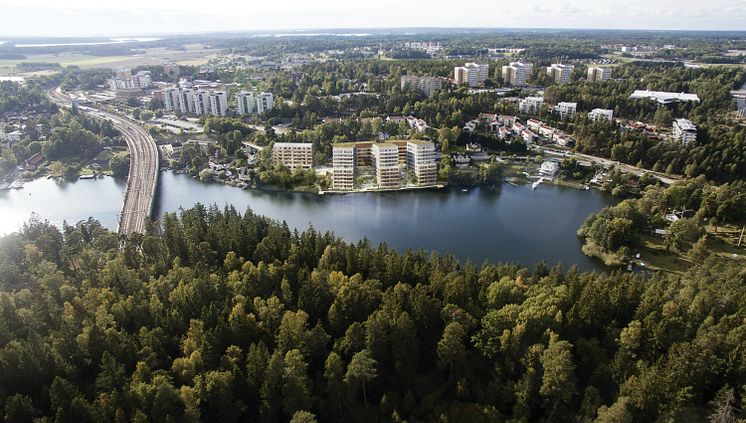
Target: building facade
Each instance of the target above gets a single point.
(599, 73)
(386, 162)
(246, 102)
(604, 114)
(531, 105)
(343, 167)
(426, 84)
(684, 131)
(265, 102)
(421, 160)
(293, 155)
(566, 109)
(218, 103)
(560, 73)
(517, 73)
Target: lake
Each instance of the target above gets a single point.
(513, 224)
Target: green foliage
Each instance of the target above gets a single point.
(231, 317)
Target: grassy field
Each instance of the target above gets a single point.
(192, 55)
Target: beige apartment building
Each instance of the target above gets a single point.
(386, 162)
(293, 155)
(421, 159)
(343, 167)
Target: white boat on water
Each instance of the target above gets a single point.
(536, 184)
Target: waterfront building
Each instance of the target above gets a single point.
(343, 166)
(293, 155)
(421, 160)
(517, 73)
(560, 73)
(549, 169)
(386, 161)
(684, 131)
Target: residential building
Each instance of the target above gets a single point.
(517, 73)
(597, 114)
(684, 131)
(528, 136)
(663, 97)
(10, 137)
(172, 71)
(246, 102)
(386, 162)
(549, 169)
(265, 102)
(473, 74)
(201, 99)
(566, 109)
(343, 166)
(560, 73)
(142, 80)
(599, 73)
(171, 98)
(186, 101)
(531, 105)
(426, 84)
(218, 103)
(293, 155)
(421, 160)
(122, 73)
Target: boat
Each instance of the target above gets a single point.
(536, 184)
(89, 176)
(464, 190)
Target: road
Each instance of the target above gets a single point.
(607, 163)
(144, 164)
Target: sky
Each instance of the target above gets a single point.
(137, 17)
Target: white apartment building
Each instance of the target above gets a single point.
(597, 114)
(684, 131)
(122, 73)
(142, 80)
(218, 103)
(421, 159)
(343, 167)
(293, 155)
(246, 102)
(599, 73)
(517, 73)
(560, 73)
(171, 98)
(186, 101)
(201, 99)
(471, 73)
(265, 102)
(566, 109)
(386, 162)
(531, 105)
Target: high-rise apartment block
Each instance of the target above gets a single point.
(343, 167)
(684, 131)
(218, 103)
(293, 155)
(566, 109)
(386, 163)
(426, 84)
(560, 73)
(265, 102)
(421, 160)
(246, 102)
(599, 73)
(200, 102)
(517, 73)
(473, 74)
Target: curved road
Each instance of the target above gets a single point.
(144, 163)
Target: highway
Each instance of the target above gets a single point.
(144, 164)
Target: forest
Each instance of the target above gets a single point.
(233, 317)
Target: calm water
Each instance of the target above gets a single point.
(514, 224)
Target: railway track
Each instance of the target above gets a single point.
(144, 164)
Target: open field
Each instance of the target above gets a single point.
(191, 55)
